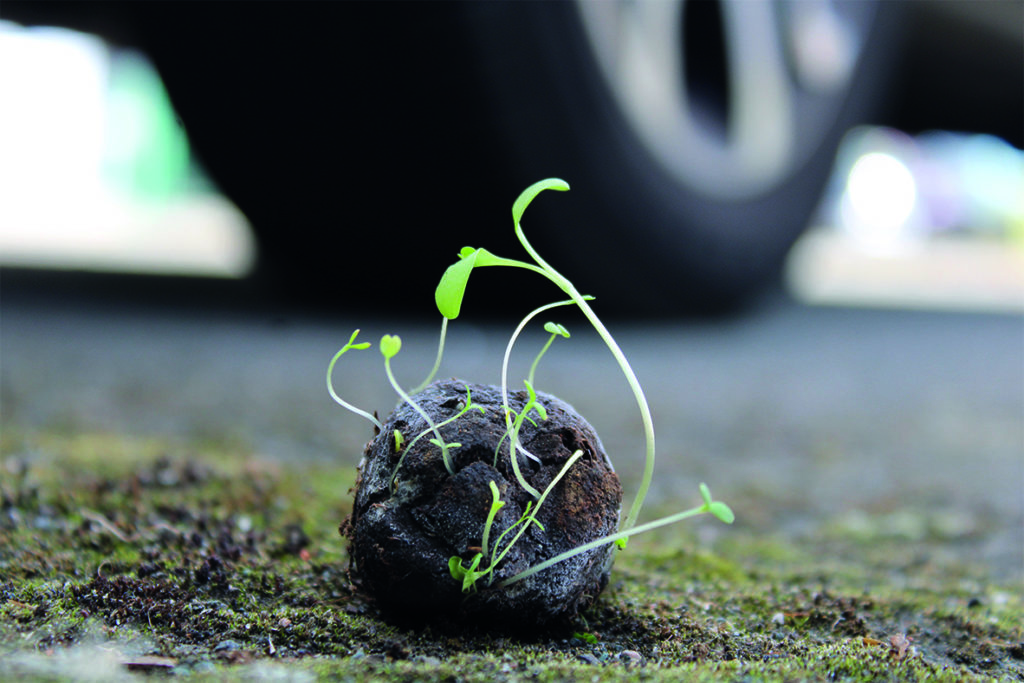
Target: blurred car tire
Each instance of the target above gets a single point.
(367, 142)
(697, 136)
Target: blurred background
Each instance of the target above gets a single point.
(302, 147)
(807, 216)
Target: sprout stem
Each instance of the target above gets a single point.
(496, 504)
(405, 397)
(514, 444)
(536, 361)
(330, 384)
(437, 361)
(605, 540)
(469, 406)
(634, 384)
(532, 517)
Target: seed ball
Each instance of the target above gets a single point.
(405, 528)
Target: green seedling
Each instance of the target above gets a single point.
(513, 424)
(716, 508)
(556, 330)
(466, 407)
(390, 345)
(496, 504)
(470, 575)
(451, 291)
(330, 384)
(449, 296)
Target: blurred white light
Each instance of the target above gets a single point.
(52, 83)
(930, 221)
(94, 170)
(879, 199)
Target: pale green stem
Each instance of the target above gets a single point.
(533, 517)
(469, 406)
(496, 504)
(405, 397)
(437, 362)
(641, 401)
(536, 361)
(513, 444)
(627, 370)
(597, 543)
(342, 402)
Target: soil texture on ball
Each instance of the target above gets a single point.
(404, 529)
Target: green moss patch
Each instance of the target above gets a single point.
(123, 557)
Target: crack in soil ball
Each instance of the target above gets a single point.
(403, 533)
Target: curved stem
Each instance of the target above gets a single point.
(536, 361)
(627, 370)
(513, 443)
(469, 406)
(405, 397)
(437, 361)
(641, 402)
(533, 517)
(338, 399)
(605, 540)
(515, 335)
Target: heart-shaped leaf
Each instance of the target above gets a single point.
(390, 345)
(555, 328)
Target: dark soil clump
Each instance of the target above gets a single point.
(402, 535)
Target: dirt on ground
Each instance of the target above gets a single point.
(122, 557)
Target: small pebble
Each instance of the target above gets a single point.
(631, 658)
(588, 658)
(225, 645)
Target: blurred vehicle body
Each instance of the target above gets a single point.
(367, 142)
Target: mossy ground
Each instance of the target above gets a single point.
(121, 557)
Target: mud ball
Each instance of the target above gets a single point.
(409, 520)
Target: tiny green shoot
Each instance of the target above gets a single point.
(390, 345)
(512, 427)
(496, 504)
(449, 297)
(470, 575)
(513, 424)
(330, 384)
(528, 517)
(466, 407)
(556, 330)
(451, 290)
(717, 508)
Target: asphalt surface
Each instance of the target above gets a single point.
(911, 420)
